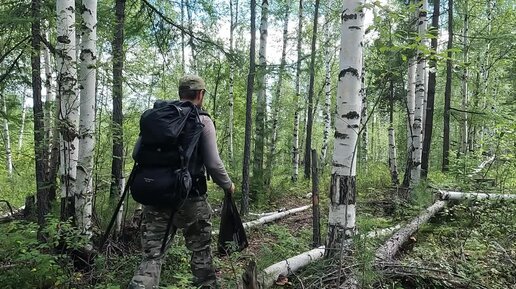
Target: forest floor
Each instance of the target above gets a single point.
(468, 245)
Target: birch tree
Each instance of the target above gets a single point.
(261, 83)
(69, 101)
(363, 117)
(87, 75)
(310, 108)
(276, 97)
(420, 97)
(341, 219)
(411, 105)
(7, 138)
(327, 91)
(393, 163)
(295, 138)
(22, 125)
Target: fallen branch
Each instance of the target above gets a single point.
(389, 249)
(12, 214)
(447, 195)
(269, 275)
(482, 166)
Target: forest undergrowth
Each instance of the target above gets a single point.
(469, 245)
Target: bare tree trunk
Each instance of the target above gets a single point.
(316, 215)
(117, 163)
(295, 142)
(248, 113)
(427, 139)
(310, 108)
(341, 219)
(193, 60)
(22, 126)
(183, 61)
(275, 101)
(447, 90)
(40, 152)
(233, 23)
(69, 102)
(363, 117)
(261, 105)
(393, 166)
(327, 102)
(420, 96)
(7, 139)
(411, 104)
(87, 79)
(117, 122)
(465, 76)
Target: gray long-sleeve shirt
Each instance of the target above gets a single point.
(209, 153)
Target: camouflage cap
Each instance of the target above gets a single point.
(191, 82)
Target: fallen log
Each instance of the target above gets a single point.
(389, 249)
(270, 218)
(269, 275)
(447, 195)
(274, 217)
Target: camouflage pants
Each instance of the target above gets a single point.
(194, 218)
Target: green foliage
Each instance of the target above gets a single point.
(27, 263)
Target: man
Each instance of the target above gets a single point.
(194, 215)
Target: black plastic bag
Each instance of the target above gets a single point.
(232, 237)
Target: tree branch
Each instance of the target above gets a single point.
(11, 67)
(13, 48)
(467, 111)
(186, 30)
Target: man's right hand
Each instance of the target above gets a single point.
(231, 189)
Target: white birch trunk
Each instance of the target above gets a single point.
(67, 89)
(22, 126)
(389, 249)
(411, 105)
(363, 118)
(49, 94)
(277, 96)
(7, 139)
(295, 139)
(341, 219)
(120, 213)
(417, 127)
(446, 195)
(327, 86)
(393, 156)
(286, 267)
(87, 77)
(270, 217)
(465, 76)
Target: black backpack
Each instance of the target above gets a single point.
(166, 156)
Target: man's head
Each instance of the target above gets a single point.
(192, 88)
